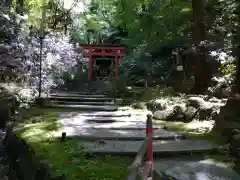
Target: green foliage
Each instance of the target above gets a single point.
(228, 68)
(149, 24)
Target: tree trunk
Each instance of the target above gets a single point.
(6, 4)
(20, 6)
(237, 50)
(202, 71)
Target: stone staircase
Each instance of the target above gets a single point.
(106, 128)
(87, 102)
(99, 86)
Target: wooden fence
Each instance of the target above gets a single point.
(142, 166)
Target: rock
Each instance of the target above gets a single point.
(204, 113)
(158, 104)
(190, 113)
(177, 114)
(215, 100)
(186, 109)
(174, 113)
(161, 115)
(228, 119)
(235, 145)
(196, 102)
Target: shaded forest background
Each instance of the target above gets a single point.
(202, 36)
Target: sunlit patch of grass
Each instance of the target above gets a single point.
(67, 157)
(193, 133)
(171, 125)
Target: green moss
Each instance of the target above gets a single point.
(171, 125)
(66, 157)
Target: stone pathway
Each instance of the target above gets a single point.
(121, 131)
(160, 148)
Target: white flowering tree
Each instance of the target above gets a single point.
(21, 56)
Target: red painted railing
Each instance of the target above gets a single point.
(142, 165)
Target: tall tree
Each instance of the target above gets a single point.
(237, 45)
(20, 6)
(202, 73)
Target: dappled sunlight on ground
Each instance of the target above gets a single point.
(193, 126)
(199, 125)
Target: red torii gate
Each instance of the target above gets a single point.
(102, 50)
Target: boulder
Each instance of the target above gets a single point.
(235, 145)
(157, 105)
(195, 102)
(190, 113)
(185, 109)
(204, 113)
(177, 113)
(161, 115)
(214, 100)
(228, 119)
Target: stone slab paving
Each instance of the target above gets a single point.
(77, 95)
(80, 98)
(160, 148)
(199, 171)
(120, 125)
(113, 114)
(165, 167)
(118, 119)
(84, 103)
(77, 124)
(132, 128)
(86, 107)
(94, 114)
(97, 119)
(123, 134)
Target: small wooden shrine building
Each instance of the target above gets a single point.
(104, 59)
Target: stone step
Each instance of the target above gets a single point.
(197, 165)
(199, 171)
(117, 119)
(76, 123)
(77, 95)
(83, 103)
(126, 128)
(66, 93)
(80, 99)
(160, 147)
(85, 107)
(162, 164)
(123, 135)
(107, 114)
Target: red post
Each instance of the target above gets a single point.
(90, 64)
(116, 64)
(149, 133)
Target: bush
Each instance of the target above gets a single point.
(158, 91)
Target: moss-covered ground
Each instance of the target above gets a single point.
(37, 126)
